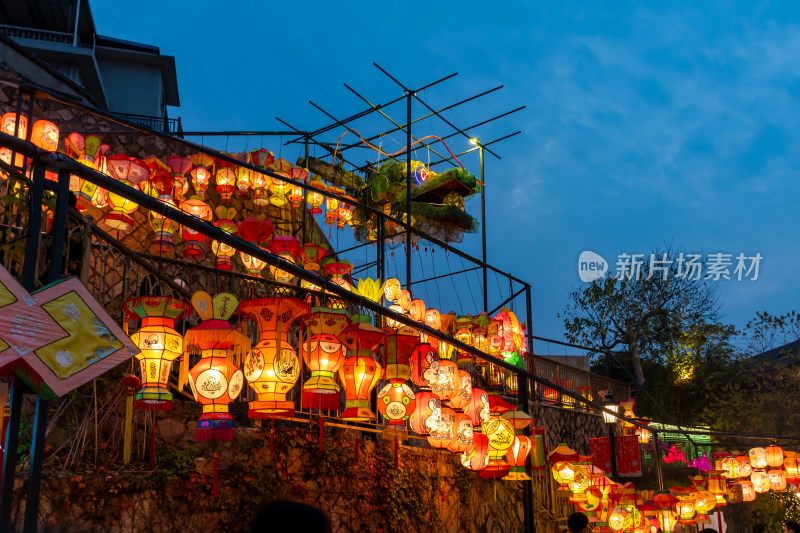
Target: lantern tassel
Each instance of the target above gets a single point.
(321, 401)
(183, 372)
(152, 461)
(126, 450)
(272, 439)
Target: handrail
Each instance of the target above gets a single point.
(274, 175)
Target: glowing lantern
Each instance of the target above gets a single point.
(445, 432)
(300, 175)
(345, 213)
(45, 135)
(580, 482)
(10, 126)
(226, 182)
(464, 334)
(477, 456)
(159, 343)
(427, 413)
(200, 174)
(262, 158)
(643, 434)
(516, 456)
(618, 517)
(279, 188)
(501, 438)
(288, 249)
(396, 403)
(337, 270)
(433, 319)
(735, 494)
(417, 310)
(261, 184)
(163, 186)
(777, 480)
(447, 386)
(718, 458)
(311, 256)
(215, 380)
(704, 503)
(464, 434)
(717, 487)
(332, 204)
(272, 367)
(758, 458)
(424, 366)
(324, 354)
(685, 509)
(666, 515)
(129, 171)
(222, 250)
(730, 468)
(90, 152)
(256, 232)
(198, 209)
(462, 399)
(774, 456)
(790, 465)
(760, 481)
(243, 181)
(315, 197)
(478, 409)
(360, 371)
(563, 472)
(743, 468)
(391, 290)
(398, 348)
(748, 491)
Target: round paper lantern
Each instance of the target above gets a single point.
(323, 354)
(9, 124)
(445, 432)
(160, 345)
(272, 367)
(563, 472)
(462, 399)
(360, 371)
(704, 503)
(758, 458)
(396, 403)
(427, 413)
(215, 380)
(734, 494)
(477, 456)
(315, 196)
(391, 290)
(743, 468)
(243, 182)
(774, 456)
(45, 135)
(618, 517)
(777, 480)
(424, 363)
(464, 434)
(730, 468)
(447, 386)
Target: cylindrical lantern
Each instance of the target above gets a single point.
(758, 458)
(790, 465)
(447, 386)
(462, 399)
(272, 367)
(760, 481)
(296, 192)
(315, 197)
(516, 456)
(748, 491)
(427, 413)
(464, 434)
(163, 186)
(424, 363)
(717, 486)
(360, 371)
(396, 403)
(478, 409)
(129, 171)
(777, 480)
(445, 432)
(685, 509)
(743, 468)
(477, 456)
(774, 456)
(323, 354)
(215, 380)
(159, 343)
(734, 493)
(45, 135)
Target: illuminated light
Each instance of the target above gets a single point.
(323, 354)
(473, 141)
(748, 491)
(444, 433)
(272, 367)
(758, 458)
(288, 249)
(332, 204)
(464, 437)
(226, 183)
(299, 175)
(360, 372)
(45, 135)
(396, 403)
(215, 380)
(160, 345)
(774, 456)
(316, 197)
(464, 395)
(760, 481)
(611, 404)
(447, 384)
(345, 212)
(777, 480)
(501, 437)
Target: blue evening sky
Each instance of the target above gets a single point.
(647, 123)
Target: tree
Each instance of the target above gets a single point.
(646, 313)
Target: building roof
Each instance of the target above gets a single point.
(788, 354)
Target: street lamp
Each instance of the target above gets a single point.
(610, 418)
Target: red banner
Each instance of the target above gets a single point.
(628, 460)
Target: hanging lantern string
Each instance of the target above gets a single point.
(349, 130)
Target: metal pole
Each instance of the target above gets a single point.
(612, 437)
(35, 472)
(408, 194)
(34, 229)
(77, 18)
(60, 226)
(305, 194)
(15, 390)
(657, 449)
(483, 229)
(529, 525)
(529, 329)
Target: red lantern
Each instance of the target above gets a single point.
(215, 380)
(45, 135)
(425, 366)
(222, 250)
(477, 457)
(288, 249)
(445, 432)
(462, 399)
(501, 437)
(464, 434)
(516, 456)
(396, 402)
(774, 456)
(397, 350)
(477, 409)
(427, 413)
(360, 371)
(324, 354)
(447, 386)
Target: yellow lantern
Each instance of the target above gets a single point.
(760, 481)
(315, 197)
(704, 503)
(160, 345)
(323, 354)
(279, 188)
(243, 181)
(686, 509)
(563, 472)
(717, 486)
(226, 183)
(619, 519)
(272, 366)
(500, 433)
(790, 465)
(223, 250)
(261, 185)
(345, 213)
(332, 204)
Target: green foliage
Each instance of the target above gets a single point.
(172, 463)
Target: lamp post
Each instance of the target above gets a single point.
(611, 403)
(475, 142)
